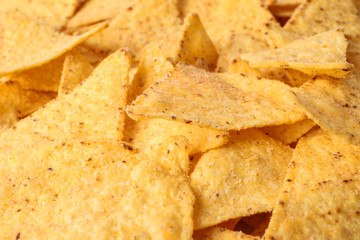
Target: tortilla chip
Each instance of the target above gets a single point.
(156, 25)
(152, 67)
(284, 2)
(53, 12)
(76, 69)
(68, 117)
(10, 102)
(196, 48)
(43, 78)
(297, 78)
(238, 65)
(219, 233)
(333, 105)
(239, 179)
(93, 190)
(32, 100)
(319, 198)
(147, 132)
(289, 133)
(21, 50)
(324, 53)
(190, 94)
(97, 10)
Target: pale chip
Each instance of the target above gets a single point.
(196, 48)
(334, 105)
(239, 179)
(319, 198)
(94, 190)
(67, 117)
(324, 53)
(289, 133)
(238, 65)
(10, 103)
(219, 233)
(76, 69)
(192, 94)
(28, 43)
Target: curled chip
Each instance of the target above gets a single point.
(322, 54)
(193, 95)
(239, 179)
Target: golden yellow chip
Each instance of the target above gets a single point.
(28, 43)
(219, 233)
(238, 65)
(93, 190)
(158, 25)
(32, 100)
(76, 69)
(53, 12)
(10, 104)
(239, 179)
(102, 117)
(319, 198)
(196, 48)
(97, 10)
(297, 78)
(43, 78)
(333, 104)
(324, 53)
(152, 67)
(193, 95)
(289, 133)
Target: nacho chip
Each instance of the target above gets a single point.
(219, 233)
(95, 190)
(147, 132)
(324, 53)
(297, 78)
(239, 179)
(43, 78)
(32, 100)
(76, 69)
(238, 65)
(193, 95)
(97, 10)
(319, 198)
(10, 102)
(195, 46)
(157, 25)
(333, 105)
(289, 133)
(21, 50)
(53, 12)
(67, 117)
(152, 67)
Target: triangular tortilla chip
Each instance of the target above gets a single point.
(97, 10)
(94, 110)
(43, 78)
(53, 12)
(239, 179)
(157, 25)
(196, 48)
(154, 66)
(319, 198)
(28, 43)
(219, 233)
(32, 100)
(324, 53)
(238, 65)
(94, 190)
(190, 94)
(334, 105)
(76, 69)
(289, 133)
(10, 104)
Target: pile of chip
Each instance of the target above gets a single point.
(180, 119)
